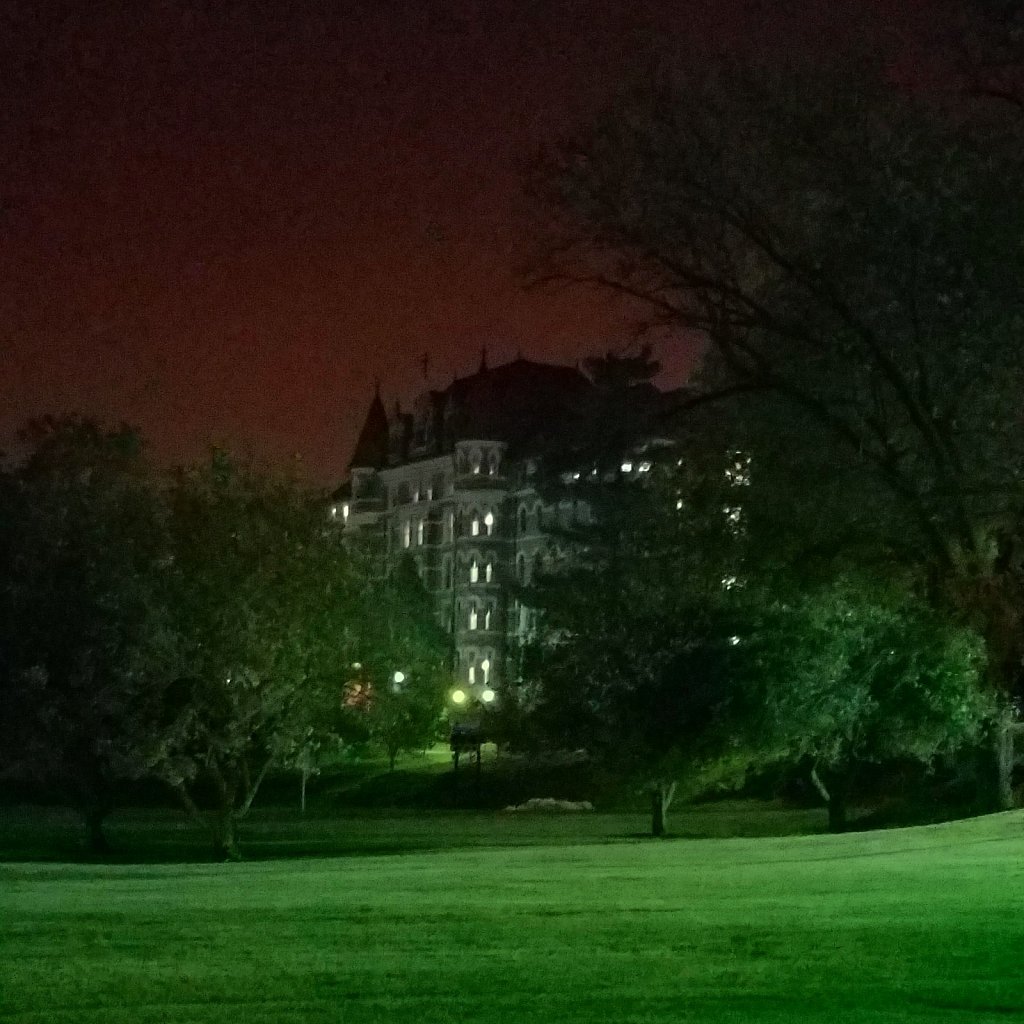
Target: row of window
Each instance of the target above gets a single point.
(479, 525)
(478, 461)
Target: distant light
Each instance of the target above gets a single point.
(334, 511)
(679, 504)
(399, 676)
(458, 696)
(344, 512)
(644, 467)
(357, 665)
(487, 696)
(734, 640)
(627, 467)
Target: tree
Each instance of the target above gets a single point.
(850, 673)
(852, 256)
(630, 657)
(88, 648)
(264, 598)
(396, 697)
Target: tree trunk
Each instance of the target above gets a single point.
(225, 837)
(1005, 759)
(97, 840)
(661, 799)
(835, 795)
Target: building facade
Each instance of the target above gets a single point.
(454, 484)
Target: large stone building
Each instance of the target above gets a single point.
(455, 485)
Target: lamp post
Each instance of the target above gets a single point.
(468, 732)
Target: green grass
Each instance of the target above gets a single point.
(906, 925)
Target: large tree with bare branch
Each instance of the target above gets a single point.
(853, 257)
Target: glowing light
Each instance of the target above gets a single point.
(627, 467)
(399, 677)
(334, 511)
(357, 665)
(487, 696)
(458, 696)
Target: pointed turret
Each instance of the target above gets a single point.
(372, 447)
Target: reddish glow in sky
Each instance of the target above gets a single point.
(222, 223)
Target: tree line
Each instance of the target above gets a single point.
(201, 628)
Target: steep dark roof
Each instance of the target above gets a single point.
(372, 447)
(522, 403)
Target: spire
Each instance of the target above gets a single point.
(372, 447)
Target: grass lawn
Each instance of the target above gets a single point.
(906, 925)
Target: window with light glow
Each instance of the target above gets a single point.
(485, 670)
(487, 619)
(489, 523)
(406, 534)
(474, 570)
(420, 532)
(344, 512)
(489, 571)
(474, 526)
(473, 617)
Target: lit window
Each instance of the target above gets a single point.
(430, 494)
(489, 572)
(416, 493)
(406, 534)
(344, 512)
(474, 571)
(644, 467)
(475, 462)
(419, 532)
(473, 618)
(474, 526)
(489, 523)
(728, 582)
(734, 641)
(334, 511)
(679, 504)
(451, 526)
(487, 620)
(471, 674)
(485, 670)
(627, 467)
(576, 475)
(492, 463)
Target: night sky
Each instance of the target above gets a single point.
(222, 223)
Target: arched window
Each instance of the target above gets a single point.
(489, 571)
(474, 570)
(473, 617)
(471, 674)
(487, 618)
(474, 524)
(521, 567)
(485, 671)
(489, 523)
